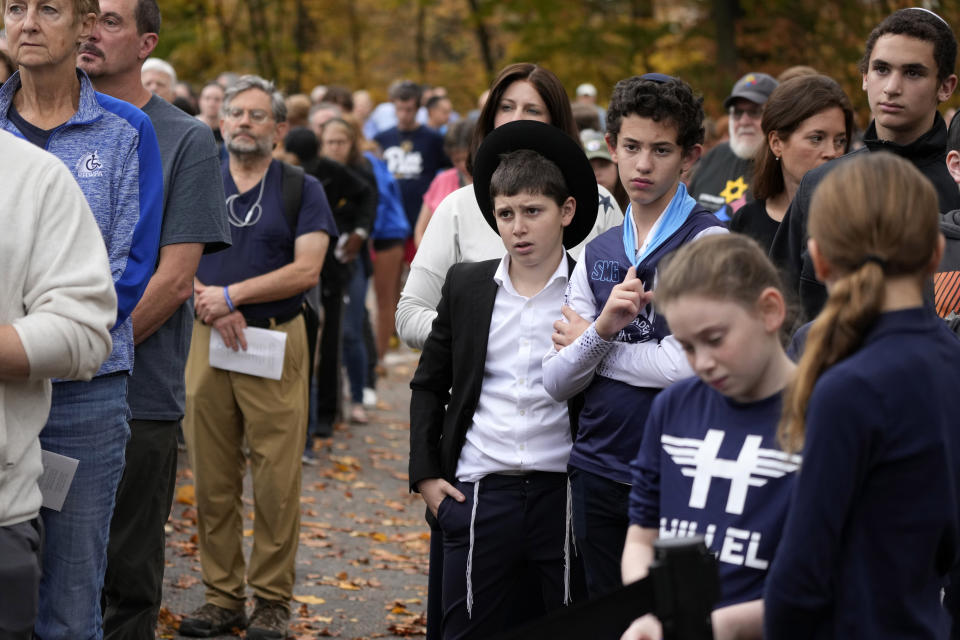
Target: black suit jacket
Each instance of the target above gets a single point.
(453, 358)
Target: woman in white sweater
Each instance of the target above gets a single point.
(457, 231)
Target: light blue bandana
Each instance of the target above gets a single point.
(672, 219)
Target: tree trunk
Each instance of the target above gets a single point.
(260, 38)
(299, 45)
(421, 40)
(356, 44)
(226, 30)
(725, 14)
(483, 37)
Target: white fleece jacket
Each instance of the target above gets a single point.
(57, 291)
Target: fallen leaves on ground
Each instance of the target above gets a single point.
(308, 599)
(186, 494)
(167, 623)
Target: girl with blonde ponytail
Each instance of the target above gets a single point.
(873, 528)
(709, 461)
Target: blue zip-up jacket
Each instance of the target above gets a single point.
(111, 148)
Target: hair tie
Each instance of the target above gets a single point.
(872, 257)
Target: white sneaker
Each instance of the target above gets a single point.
(369, 398)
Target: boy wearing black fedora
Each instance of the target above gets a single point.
(488, 446)
(612, 345)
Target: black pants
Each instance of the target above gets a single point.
(528, 604)
(20, 572)
(329, 384)
(133, 585)
(600, 523)
(520, 526)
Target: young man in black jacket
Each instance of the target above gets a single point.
(907, 71)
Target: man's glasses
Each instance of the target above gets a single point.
(256, 115)
(754, 113)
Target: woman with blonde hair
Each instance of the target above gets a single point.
(873, 527)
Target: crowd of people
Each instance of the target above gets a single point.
(635, 323)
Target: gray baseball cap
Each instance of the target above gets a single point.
(594, 145)
(755, 87)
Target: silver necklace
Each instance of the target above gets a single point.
(253, 213)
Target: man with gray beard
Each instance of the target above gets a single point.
(722, 180)
(257, 282)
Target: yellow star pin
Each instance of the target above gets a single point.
(735, 189)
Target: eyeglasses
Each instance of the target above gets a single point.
(754, 113)
(256, 115)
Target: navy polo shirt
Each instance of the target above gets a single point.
(267, 245)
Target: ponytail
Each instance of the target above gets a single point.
(854, 304)
(873, 217)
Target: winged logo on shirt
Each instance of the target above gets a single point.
(754, 466)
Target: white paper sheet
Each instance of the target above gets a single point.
(263, 357)
(58, 472)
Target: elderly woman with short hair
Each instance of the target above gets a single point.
(111, 150)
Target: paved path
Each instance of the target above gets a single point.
(362, 561)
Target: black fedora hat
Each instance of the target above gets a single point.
(554, 145)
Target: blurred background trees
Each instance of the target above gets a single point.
(460, 44)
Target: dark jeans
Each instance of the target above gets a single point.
(520, 526)
(133, 584)
(600, 523)
(328, 370)
(19, 578)
(354, 319)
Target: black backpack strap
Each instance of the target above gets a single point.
(291, 188)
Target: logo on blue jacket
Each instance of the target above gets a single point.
(89, 165)
(607, 271)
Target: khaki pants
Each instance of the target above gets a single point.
(223, 410)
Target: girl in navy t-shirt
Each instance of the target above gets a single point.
(709, 462)
(873, 528)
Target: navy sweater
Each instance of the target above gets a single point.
(710, 465)
(873, 528)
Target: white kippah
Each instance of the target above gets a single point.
(931, 13)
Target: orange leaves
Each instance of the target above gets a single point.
(308, 599)
(168, 623)
(186, 494)
(185, 581)
(406, 622)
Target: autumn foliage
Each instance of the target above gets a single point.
(460, 44)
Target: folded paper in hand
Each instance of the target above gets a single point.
(263, 357)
